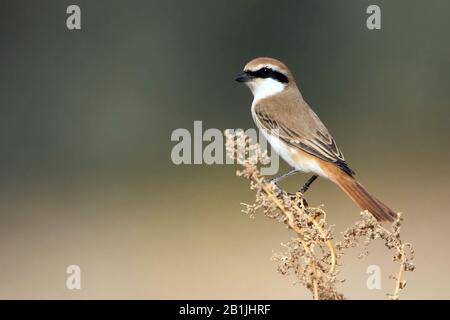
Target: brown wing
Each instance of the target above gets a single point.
(298, 126)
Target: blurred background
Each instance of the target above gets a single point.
(86, 117)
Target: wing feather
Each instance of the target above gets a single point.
(295, 129)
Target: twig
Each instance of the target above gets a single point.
(316, 270)
(292, 224)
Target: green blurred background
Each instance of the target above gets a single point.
(86, 117)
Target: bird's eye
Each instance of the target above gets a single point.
(265, 71)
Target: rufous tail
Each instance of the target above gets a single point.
(364, 199)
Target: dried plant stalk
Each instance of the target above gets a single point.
(311, 255)
(368, 228)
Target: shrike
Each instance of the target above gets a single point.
(296, 133)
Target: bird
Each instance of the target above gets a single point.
(296, 133)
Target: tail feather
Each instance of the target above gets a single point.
(365, 200)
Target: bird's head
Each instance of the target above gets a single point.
(266, 77)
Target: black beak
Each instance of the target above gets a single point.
(244, 76)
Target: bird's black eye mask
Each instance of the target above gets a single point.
(266, 72)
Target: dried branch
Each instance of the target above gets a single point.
(311, 255)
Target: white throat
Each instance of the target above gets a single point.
(263, 88)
